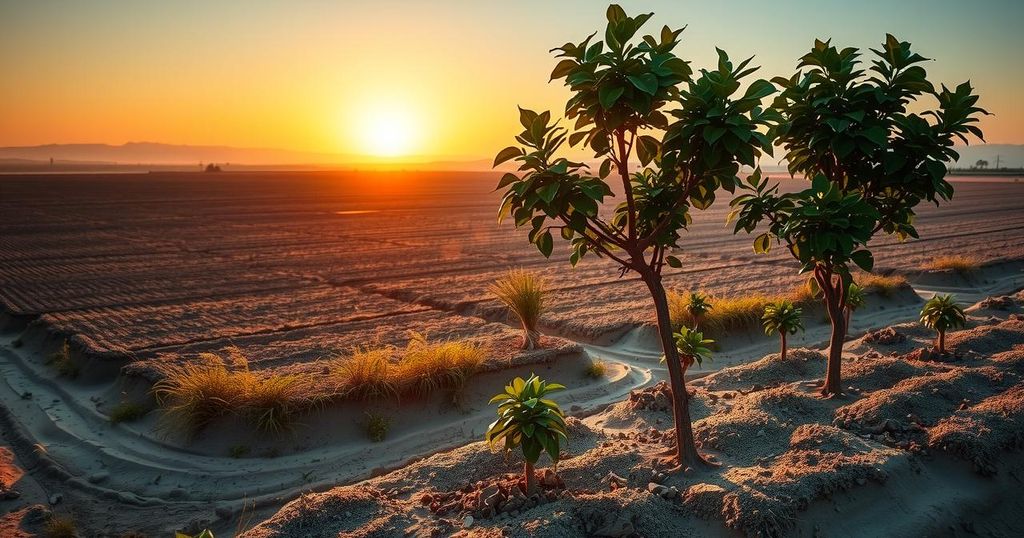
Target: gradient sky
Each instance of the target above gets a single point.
(312, 75)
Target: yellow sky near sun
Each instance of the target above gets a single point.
(327, 76)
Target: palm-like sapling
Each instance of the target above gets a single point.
(941, 313)
(697, 306)
(782, 318)
(692, 347)
(528, 419)
(623, 94)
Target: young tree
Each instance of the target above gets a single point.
(782, 318)
(528, 419)
(871, 161)
(622, 96)
(940, 314)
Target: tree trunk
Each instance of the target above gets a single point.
(833, 305)
(686, 449)
(942, 342)
(784, 347)
(531, 478)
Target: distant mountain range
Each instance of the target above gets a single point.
(141, 154)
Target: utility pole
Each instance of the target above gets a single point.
(997, 162)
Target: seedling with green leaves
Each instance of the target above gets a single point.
(855, 299)
(690, 134)
(698, 305)
(692, 347)
(871, 161)
(527, 419)
(783, 318)
(941, 313)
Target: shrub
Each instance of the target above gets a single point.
(527, 419)
(60, 527)
(195, 394)
(63, 363)
(941, 313)
(961, 264)
(523, 293)
(239, 451)
(596, 369)
(782, 318)
(377, 426)
(127, 412)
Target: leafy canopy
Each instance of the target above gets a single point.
(855, 297)
(941, 313)
(872, 160)
(625, 91)
(527, 419)
(782, 317)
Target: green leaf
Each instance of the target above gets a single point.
(647, 83)
(563, 68)
(545, 244)
(608, 95)
(510, 152)
(673, 262)
(507, 180)
(863, 259)
(548, 192)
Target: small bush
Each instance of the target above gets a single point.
(127, 412)
(63, 363)
(195, 394)
(961, 264)
(377, 426)
(60, 527)
(596, 369)
(729, 313)
(523, 293)
(239, 451)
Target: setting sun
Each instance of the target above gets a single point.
(389, 131)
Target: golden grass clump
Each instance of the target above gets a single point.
(523, 293)
(193, 395)
(421, 369)
(596, 369)
(884, 286)
(427, 367)
(959, 263)
(728, 314)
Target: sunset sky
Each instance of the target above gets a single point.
(436, 80)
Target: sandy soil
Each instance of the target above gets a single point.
(135, 271)
(916, 447)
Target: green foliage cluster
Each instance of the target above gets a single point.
(692, 346)
(941, 313)
(528, 419)
(377, 426)
(782, 317)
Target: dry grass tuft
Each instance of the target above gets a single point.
(596, 369)
(523, 293)
(730, 314)
(883, 286)
(959, 263)
(195, 394)
(63, 363)
(423, 369)
(127, 412)
(60, 527)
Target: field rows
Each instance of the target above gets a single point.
(295, 267)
